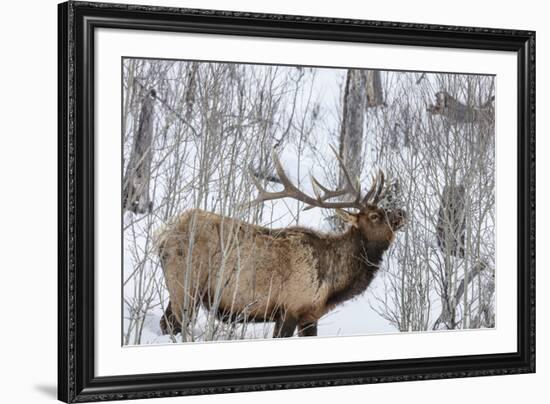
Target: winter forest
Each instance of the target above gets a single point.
(214, 136)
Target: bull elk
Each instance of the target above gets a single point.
(291, 276)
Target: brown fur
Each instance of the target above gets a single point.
(292, 276)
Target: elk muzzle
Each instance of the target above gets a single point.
(397, 218)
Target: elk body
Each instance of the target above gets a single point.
(292, 276)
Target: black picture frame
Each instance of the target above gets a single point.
(77, 22)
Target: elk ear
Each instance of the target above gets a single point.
(348, 217)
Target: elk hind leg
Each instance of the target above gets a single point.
(285, 326)
(307, 329)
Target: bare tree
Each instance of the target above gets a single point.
(135, 195)
(353, 118)
(374, 90)
(451, 220)
(443, 277)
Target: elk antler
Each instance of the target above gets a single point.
(349, 188)
(319, 201)
(375, 193)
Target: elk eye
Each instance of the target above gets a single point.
(373, 216)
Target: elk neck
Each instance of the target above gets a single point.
(349, 264)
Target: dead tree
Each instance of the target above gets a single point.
(451, 221)
(458, 112)
(353, 117)
(486, 313)
(356, 100)
(351, 129)
(450, 304)
(135, 195)
(375, 94)
(401, 133)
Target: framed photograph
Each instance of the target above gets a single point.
(253, 202)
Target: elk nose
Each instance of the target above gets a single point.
(398, 217)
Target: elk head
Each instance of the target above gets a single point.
(373, 221)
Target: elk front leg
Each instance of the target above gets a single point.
(307, 329)
(179, 319)
(284, 326)
(169, 324)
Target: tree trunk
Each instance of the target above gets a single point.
(451, 223)
(375, 94)
(351, 133)
(351, 130)
(135, 196)
(450, 304)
